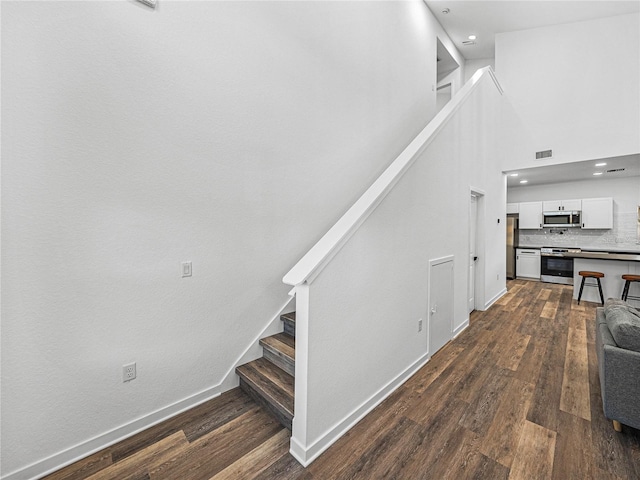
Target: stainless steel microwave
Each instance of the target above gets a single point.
(561, 219)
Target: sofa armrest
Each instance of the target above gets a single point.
(619, 371)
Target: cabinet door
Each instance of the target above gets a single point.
(572, 205)
(527, 264)
(597, 213)
(530, 215)
(551, 205)
(561, 205)
(512, 208)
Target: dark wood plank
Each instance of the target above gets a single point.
(486, 406)
(534, 456)
(386, 457)
(195, 422)
(84, 468)
(574, 397)
(504, 432)
(257, 460)
(573, 458)
(215, 451)
(483, 406)
(284, 468)
(139, 464)
(271, 383)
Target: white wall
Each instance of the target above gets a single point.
(229, 134)
(358, 332)
(574, 88)
(626, 200)
(472, 65)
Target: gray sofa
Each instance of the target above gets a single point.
(618, 351)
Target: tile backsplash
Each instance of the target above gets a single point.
(623, 236)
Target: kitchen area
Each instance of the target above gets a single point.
(557, 228)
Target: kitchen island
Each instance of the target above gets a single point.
(613, 265)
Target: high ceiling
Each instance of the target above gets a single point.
(486, 18)
(616, 167)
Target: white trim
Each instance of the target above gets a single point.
(301, 387)
(437, 261)
(497, 297)
(460, 328)
(476, 191)
(254, 350)
(432, 263)
(310, 265)
(307, 455)
(82, 450)
(89, 447)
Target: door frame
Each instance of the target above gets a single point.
(432, 263)
(479, 270)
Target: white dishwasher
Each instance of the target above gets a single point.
(528, 263)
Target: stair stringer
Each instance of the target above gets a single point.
(254, 350)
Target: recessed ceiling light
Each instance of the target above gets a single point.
(597, 173)
(601, 164)
(524, 181)
(513, 175)
(472, 37)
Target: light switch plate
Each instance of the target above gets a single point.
(186, 269)
(149, 3)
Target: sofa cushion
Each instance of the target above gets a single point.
(624, 324)
(614, 302)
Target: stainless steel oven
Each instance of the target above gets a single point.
(555, 267)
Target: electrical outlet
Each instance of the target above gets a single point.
(420, 325)
(128, 372)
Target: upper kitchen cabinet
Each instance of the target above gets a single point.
(597, 213)
(513, 208)
(562, 205)
(530, 215)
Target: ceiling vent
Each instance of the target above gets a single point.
(614, 170)
(544, 154)
(468, 43)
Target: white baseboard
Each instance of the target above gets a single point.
(306, 455)
(82, 450)
(495, 298)
(461, 328)
(89, 447)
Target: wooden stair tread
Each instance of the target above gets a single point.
(289, 316)
(273, 383)
(284, 344)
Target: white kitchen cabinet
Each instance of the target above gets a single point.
(597, 213)
(530, 215)
(528, 263)
(572, 205)
(513, 208)
(562, 205)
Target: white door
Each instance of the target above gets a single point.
(440, 303)
(473, 255)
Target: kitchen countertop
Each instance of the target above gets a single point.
(625, 254)
(629, 257)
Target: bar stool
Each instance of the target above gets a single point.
(587, 274)
(629, 278)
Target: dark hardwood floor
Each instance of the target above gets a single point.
(516, 395)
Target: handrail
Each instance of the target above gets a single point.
(310, 265)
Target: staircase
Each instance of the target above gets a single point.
(269, 379)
